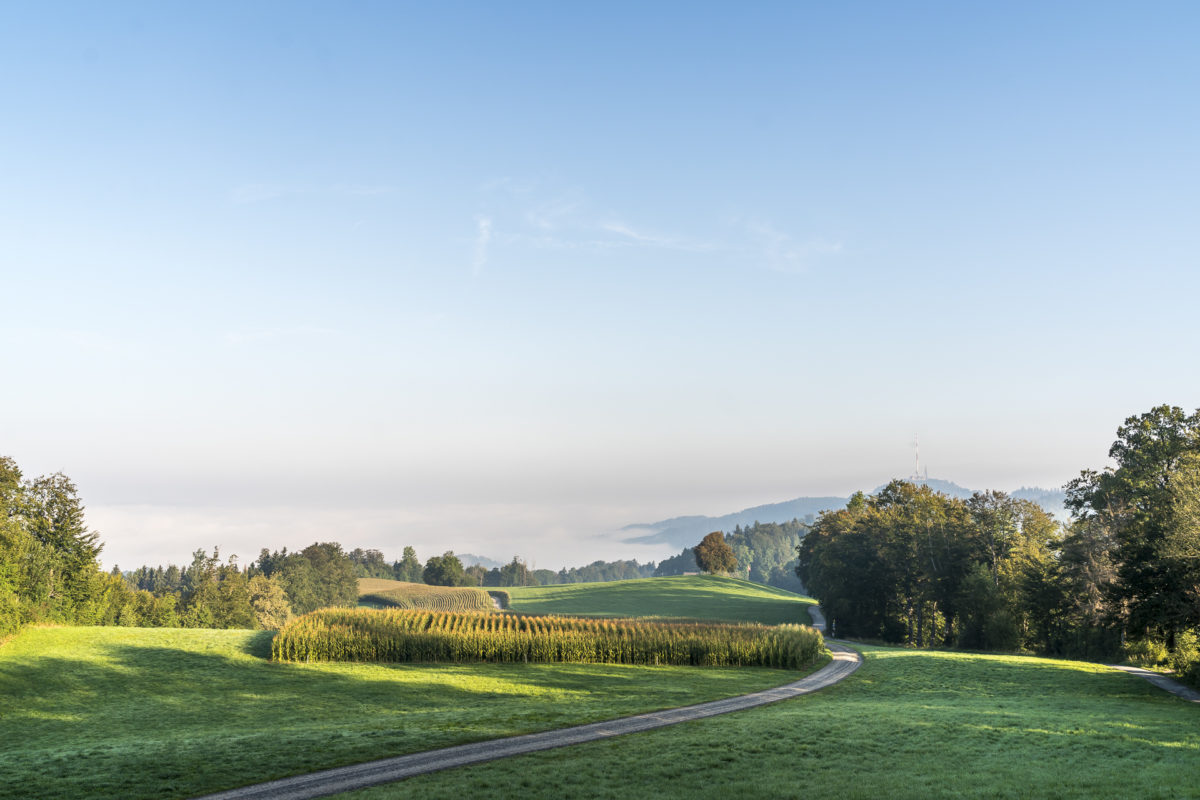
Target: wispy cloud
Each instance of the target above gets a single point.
(531, 217)
(648, 239)
(559, 212)
(483, 237)
(784, 253)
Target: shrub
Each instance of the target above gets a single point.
(1145, 652)
(1185, 660)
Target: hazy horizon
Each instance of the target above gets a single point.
(503, 280)
(549, 537)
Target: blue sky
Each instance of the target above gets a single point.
(504, 278)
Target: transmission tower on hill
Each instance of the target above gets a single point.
(917, 477)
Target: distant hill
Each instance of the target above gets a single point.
(686, 531)
(470, 560)
(949, 488)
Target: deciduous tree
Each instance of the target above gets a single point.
(714, 554)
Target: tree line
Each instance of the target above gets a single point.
(1120, 579)
(264, 594)
(50, 572)
(448, 570)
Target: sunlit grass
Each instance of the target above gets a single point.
(704, 597)
(151, 713)
(908, 724)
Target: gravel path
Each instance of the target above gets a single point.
(1162, 682)
(373, 773)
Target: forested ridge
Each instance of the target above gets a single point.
(1120, 580)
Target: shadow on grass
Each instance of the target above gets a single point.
(128, 720)
(259, 645)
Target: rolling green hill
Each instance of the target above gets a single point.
(160, 712)
(702, 597)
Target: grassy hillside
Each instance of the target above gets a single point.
(703, 597)
(907, 724)
(381, 592)
(154, 713)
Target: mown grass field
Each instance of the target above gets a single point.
(701, 597)
(383, 593)
(155, 713)
(908, 724)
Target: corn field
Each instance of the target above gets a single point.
(431, 598)
(395, 635)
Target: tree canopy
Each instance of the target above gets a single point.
(714, 554)
(444, 570)
(1147, 511)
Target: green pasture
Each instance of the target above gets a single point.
(702, 597)
(158, 713)
(908, 724)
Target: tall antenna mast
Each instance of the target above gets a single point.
(917, 477)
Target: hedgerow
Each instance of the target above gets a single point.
(432, 598)
(395, 635)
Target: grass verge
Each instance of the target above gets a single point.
(909, 723)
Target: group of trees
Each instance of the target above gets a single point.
(912, 565)
(264, 594)
(49, 570)
(1136, 536)
(765, 553)
(372, 564)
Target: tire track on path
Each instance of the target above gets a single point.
(387, 770)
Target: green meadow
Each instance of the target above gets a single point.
(908, 724)
(151, 713)
(701, 597)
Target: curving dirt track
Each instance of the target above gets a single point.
(387, 770)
